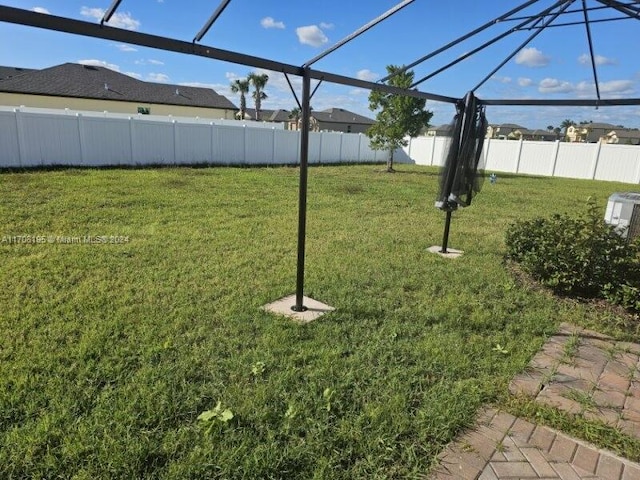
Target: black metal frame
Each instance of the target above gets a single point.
(531, 22)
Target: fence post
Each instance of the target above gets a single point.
(273, 145)
(214, 141)
(81, 139)
(359, 146)
(433, 150)
(131, 141)
(21, 139)
(245, 144)
(519, 155)
(320, 150)
(594, 162)
(175, 142)
(486, 147)
(554, 161)
(341, 160)
(638, 167)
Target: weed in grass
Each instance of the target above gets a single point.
(585, 399)
(570, 348)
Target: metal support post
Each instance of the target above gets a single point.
(302, 201)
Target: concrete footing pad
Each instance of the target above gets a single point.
(315, 309)
(451, 252)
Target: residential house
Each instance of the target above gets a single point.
(341, 120)
(537, 135)
(505, 131)
(87, 87)
(266, 115)
(622, 136)
(439, 131)
(588, 132)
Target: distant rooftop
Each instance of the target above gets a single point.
(87, 81)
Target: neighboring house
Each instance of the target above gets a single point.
(622, 136)
(276, 116)
(440, 131)
(588, 132)
(537, 135)
(92, 88)
(341, 120)
(505, 131)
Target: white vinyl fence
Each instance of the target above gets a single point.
(33, 139)
(619, 163)
(36, 137)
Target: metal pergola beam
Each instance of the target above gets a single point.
(110, 11)
(358, 32)
(460, 39)
(78, 27)
(488, 43)
(524, 44)
(203, 31)
(605, 102)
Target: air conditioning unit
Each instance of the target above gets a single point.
(623, 211)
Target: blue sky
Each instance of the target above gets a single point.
(553, 65)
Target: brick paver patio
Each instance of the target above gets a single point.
(579, 371)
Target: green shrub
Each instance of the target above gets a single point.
(581, 256)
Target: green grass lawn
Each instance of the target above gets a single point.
(110, 352)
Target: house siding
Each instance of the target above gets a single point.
(47, 101)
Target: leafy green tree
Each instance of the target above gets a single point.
(259, 82)
(241, 86)
(399, 116)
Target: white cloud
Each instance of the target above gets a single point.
(525, 82)
(585, 59)
(612, 88)
(367, 75)
(135, 75)
(118, 20)
(150, 61)
(326, 26)
(311, 35)
(41, 10)
(158, 77)
(199, 84)
(553, 85)
(269, 22)
(100, 63)
(532, 57)
(126, 48)
(500, 79)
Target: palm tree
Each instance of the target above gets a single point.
(241, 86)
(294, 116)
(259, 81)
(566, 124)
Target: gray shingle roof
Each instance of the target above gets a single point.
(339, 115)
(8, 72)
(267, 115)
(85, 81)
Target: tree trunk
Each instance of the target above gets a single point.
(390, 161)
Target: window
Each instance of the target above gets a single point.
(144, 110)
(348, 128)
